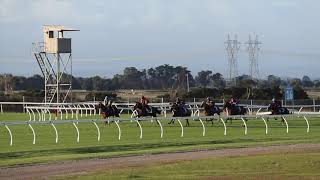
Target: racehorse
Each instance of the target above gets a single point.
(210, 110)
(143, 111)
(232, 109)
(179, 111)
(277, 109)
(108, 111)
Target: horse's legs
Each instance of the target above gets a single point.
(187, 123)
(171, 122)
(282, 121)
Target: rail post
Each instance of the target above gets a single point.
(161, 128)
(78, 134)
(56, 131)
(285, 121)
(10, 133)
(33, 132)
(181, 127)
(98, 130)
(39, 115)
(203, 128)
(265, 123)
(245, 125)
(119, 130)
(308, 126)
(29, 114)
(139, 128)
(224, 125)
(34, 116)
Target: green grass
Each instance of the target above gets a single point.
(272, 166)
(46, 150)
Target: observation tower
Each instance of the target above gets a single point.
(54, 56)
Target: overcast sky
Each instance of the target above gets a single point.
(146, 33)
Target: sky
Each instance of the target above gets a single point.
(146, 33)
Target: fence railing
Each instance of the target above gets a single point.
(159, 120)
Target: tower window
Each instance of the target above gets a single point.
(51, 35)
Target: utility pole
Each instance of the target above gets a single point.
(5, 85)
(253, 50)
(188, 87)
(232, 48)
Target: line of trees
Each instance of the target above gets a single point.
(165, 77)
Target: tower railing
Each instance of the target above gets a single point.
(37, 47)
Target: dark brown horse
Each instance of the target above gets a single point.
(145, 110)
(210, 109)
(233, 109)
(108, 111)
(277, 109)
(179, 110)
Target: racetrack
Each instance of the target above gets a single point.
(83, 167)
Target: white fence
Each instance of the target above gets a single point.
(40, 113)
(159, 120)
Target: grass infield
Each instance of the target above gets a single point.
(46, 150)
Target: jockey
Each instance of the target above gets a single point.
(275, 106)
(181, 104)
(144, 101)
(183, 107)
(178, 101)
(233, 101)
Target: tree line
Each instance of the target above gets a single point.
(169, 77)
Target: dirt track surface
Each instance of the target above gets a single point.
(43, 171)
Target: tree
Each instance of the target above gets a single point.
(274, 80)
(299, 93)
(316, 83)
(218, 81)
(306, 82)
(132, 78)
(295, 82)
(203, 78)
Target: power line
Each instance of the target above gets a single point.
(232, 48)
(253, 50)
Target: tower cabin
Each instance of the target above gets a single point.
(54, 40)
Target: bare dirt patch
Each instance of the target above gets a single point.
(43, 171)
